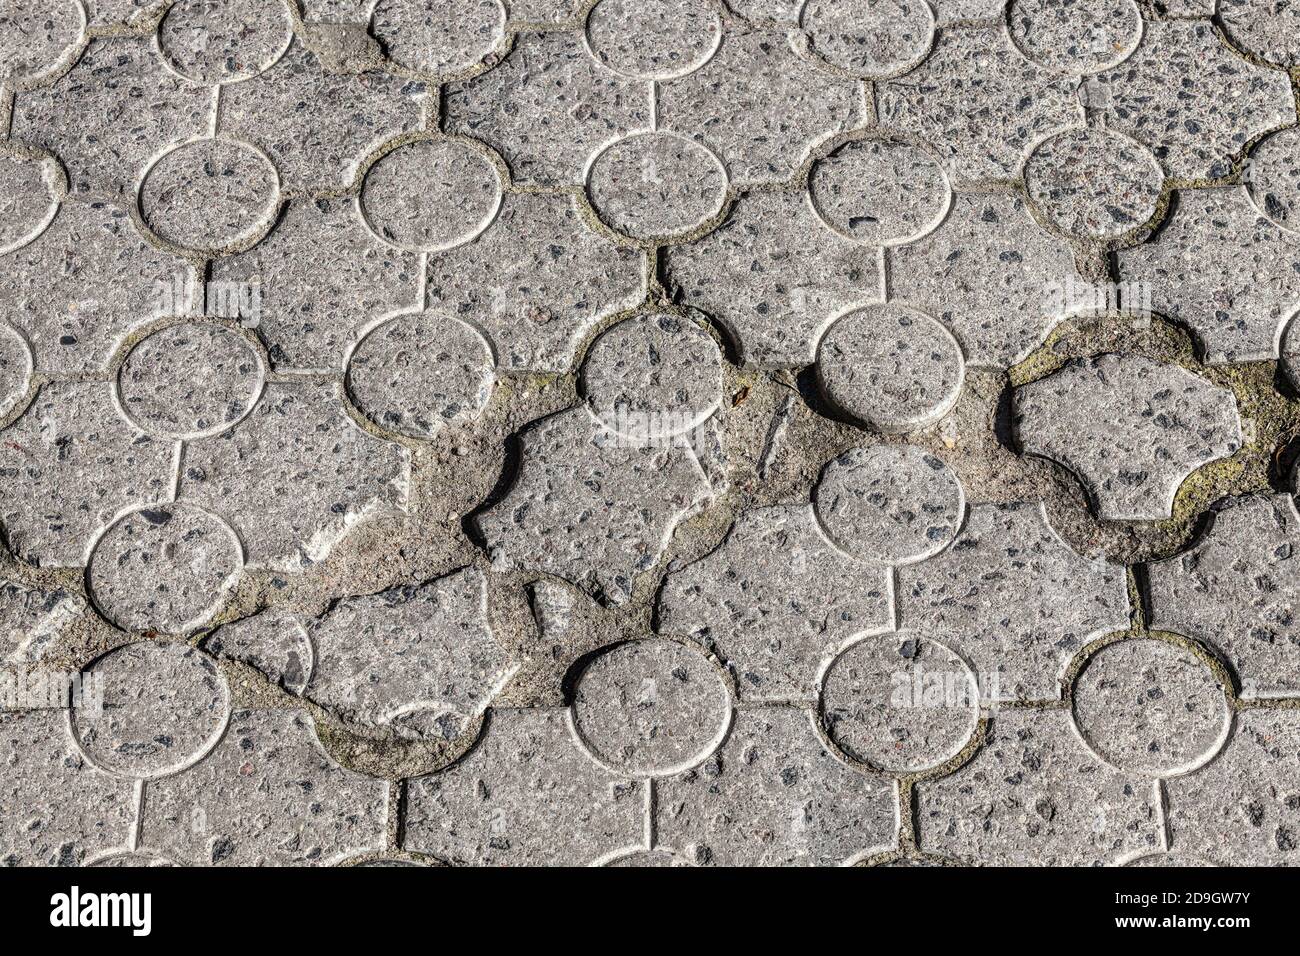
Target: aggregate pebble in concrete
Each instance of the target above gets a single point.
(224, 41)
(438, 37)
(421, 660)
(32, 619)
(1243, 809)
(880, 191)
(890, 366)
(547, 108)
(1270, 29)
(899, 702)
(889, 503)
(653, 39)
(266, 796)
(294, 475)
(774, 274)
(773, 796)
(758, 105)
(656, 185)
(273, 642)
(995, 278)
(1236, 589)
(1151, 708)
(1224, 270)
(526, 795)
(37, 37)
(60, 810)
(1034, 795)
(1273, 177)
(1014, 599)
(164, 707)
(1093, 183)
(536, 282)
(69, 465)
(28, 198)
(1075, 37)
(978, 102)
(1130, 428)
(774, 600)
(872, 39)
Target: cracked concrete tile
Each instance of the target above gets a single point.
(775, 275)
(1243, 809)
(992, 276)
(547, 108)
(1236, 589)
(773, 796)
(85, 283)
(1270, 29)
(1012, 597)
(294, 476)
(774, 601)
(32, 619)
(419, 659)
(536, 282)
(758, 105)
(592, 507)
(438, 37)
(653, 39)
(979, 103)
(60, 810)
(127, 105)
(1129, 428)
(526, 795)
(273, 642)
(318, 278)
(1194, 102)
(1034, 796)
(1222, 269)
(69, 465)
(38, 38)
(266, 796)
(224, 41)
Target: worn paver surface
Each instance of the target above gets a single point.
(649, 432)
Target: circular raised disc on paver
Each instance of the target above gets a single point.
(1268, 28)
(899, 702)
(890, 503)
(890, 366)
(651, 707)
(872, 39)
(653, 39)
(35, 35)
(438, 37)
(210, 194)
(1273, 178)
(190, 380)
(164, 707)
(28, 200)
(1075, 36)
(1093, 183)
(880, 191)
(656, 186)
(1150, 707)
(654, 376)
(15, 366)
(163, 568)
(417, 372)
(220, 41)
(430, 195)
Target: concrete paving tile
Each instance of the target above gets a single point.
(1270, 29)
(658, 39)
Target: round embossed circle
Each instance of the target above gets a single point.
(431, 195)
(190, 380)
(418, 372)
(221, 41)
(164, 707)
(890, 366)
(654, 375)
(210, 194)
(1273, 178)
(656, 186)
(1093, 183)
(889, 503)
(651, 707)
(37, 37)
(653, 39)
(15, 367)
(1075, 36)
(873, 39)
(899, 702)
(1150, 707)
(438, 37)
(28, 199)
(163, 568)
(880, 191)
